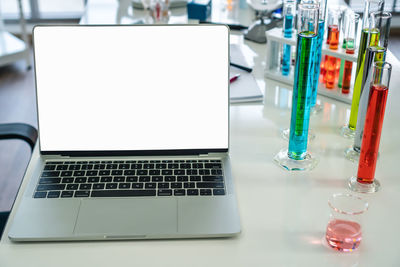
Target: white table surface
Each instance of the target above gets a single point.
(283, 215)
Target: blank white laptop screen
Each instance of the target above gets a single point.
(113, 88)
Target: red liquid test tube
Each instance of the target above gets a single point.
(366, 182)
(372, 133)
(333, 37)
(330, 75)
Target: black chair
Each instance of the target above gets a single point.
(21, 131)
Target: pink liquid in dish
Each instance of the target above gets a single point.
(343, 235)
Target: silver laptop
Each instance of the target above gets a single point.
(134, 135)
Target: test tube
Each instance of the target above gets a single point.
(350, 37)
(347, 14)
(369, 36)
(380, 21)
(334, 30)
(321, 31)
(297, 157)
(365, 181)
(289, 12)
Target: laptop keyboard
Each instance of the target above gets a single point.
(131, 178)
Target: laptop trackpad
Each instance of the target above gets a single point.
(130, 218)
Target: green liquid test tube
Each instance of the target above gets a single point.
(373, 40)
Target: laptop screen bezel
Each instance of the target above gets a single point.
(172, 152)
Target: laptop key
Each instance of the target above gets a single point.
(98, 186)
(144, 179)
(74, 167)
(87, 167)
(209, 185)
(65, 194)
(123, 193)
(148, 166)
(111, 186)
(154, 172)
(103, 173)
(67, 180)
(137, 185)
(49, 187)
(51, 174)
(116, 172)
(204, 172)
(192, 192)
(124, 186)
(156, 178)
(164, 192)
(66, 173)
(92, 173)
(142, 172)
(93, 179)
(179, 172)
(163, 185)
(195, 178)
(84, 193)
(40, 194)
(216, 172)
(99, 166)
(166, 172)
(218, 192)
(213, 178)
(62, 167)
(119, 179)
(72, 186)
(182, 178)
(85, 187)
(123, 166)
(129, 172)
(106, 179)
(189, 185)
(132, 179)
(53, 194)
(49, 180)
(205, 192)
(173, 166)
(161, 166)
(170, 178)
(111, 166)
(192, 172)
(80, 180)
(150, 185)
(176, 185)
(49, 167)
(79, 173)
(137, 166)
(179, 192)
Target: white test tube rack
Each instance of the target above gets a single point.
(275, 40)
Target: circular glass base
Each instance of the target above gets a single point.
(347, 132)
(316, 109)
(286, 134)
(352, 154)
(306, 164)
(363, 188)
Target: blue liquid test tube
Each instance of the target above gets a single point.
(296, 157)
(318, 54)
(302, 94)
(289, 14)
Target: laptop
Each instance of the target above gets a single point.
(133, 135)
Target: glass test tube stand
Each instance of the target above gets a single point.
(275, 39)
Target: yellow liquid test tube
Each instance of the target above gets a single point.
(374, 40)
